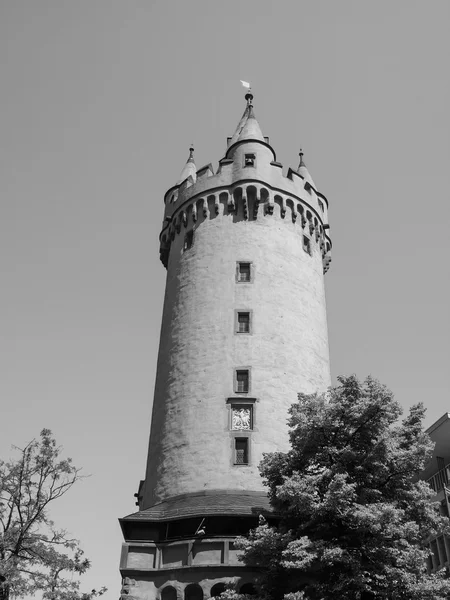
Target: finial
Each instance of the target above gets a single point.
(248, 95)
(302, 164)
(191, 152)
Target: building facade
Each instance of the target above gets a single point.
(437, 475)
(243, 331)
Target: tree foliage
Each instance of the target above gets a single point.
(354, 517)
(34, 555)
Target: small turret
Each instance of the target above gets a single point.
(189, 169)
(303, 171)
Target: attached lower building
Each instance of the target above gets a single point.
(437, 474)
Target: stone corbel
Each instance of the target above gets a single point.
(256, 206)
(231, 203)
(245, 203)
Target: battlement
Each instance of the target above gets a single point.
(251, 197)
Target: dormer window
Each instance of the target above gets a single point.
(249, 160)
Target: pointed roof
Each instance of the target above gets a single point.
(189, 168)
(248, 127)
(303, 171)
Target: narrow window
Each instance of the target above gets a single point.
(307, 245)
(249, 160)
(188, 240)
(243, 322)
(241, 451)
(242, 381)
(243, 272)
(321, 205)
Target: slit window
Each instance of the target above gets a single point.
(243, 322)
(249, 160)
(242, 381)
(243, 272)
(307, 245)
(321, 205)
(188, 240)
(241, 451)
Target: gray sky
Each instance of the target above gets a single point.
(100, 101)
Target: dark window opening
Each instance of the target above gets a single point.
(321, 205)
(193, 592)
(243, 272)
(242, 381)
(248, 588)
(307, 245)
(188, 240)
(243, 322)
(249, 160)
(217, 589)
(169, 593)
(241, 451)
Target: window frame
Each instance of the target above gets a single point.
(188, 240)
(236, 381)
(237, 313)
(252, 156)
(307, 246)
(246, 440)
(238, 271)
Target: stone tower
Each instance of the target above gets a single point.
(243, 331)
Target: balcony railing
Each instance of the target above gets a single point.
(440, 479)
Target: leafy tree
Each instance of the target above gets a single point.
(34, 555)
(354, 518)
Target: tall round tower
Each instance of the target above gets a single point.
(243, 331)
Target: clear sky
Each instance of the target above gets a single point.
(99, 103)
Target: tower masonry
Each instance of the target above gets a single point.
(243, 331)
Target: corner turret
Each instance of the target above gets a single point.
(303, 171)
(189, 169)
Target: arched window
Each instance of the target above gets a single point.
(217, 589)
(248, 588)
(169, 593)
(193, 592)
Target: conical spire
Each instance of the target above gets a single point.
(303, 171)
(189, 168)
(248, 127)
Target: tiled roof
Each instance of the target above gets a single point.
(217, 502)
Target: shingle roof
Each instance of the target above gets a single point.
(214, 502)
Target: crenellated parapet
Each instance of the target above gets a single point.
(291, 198)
